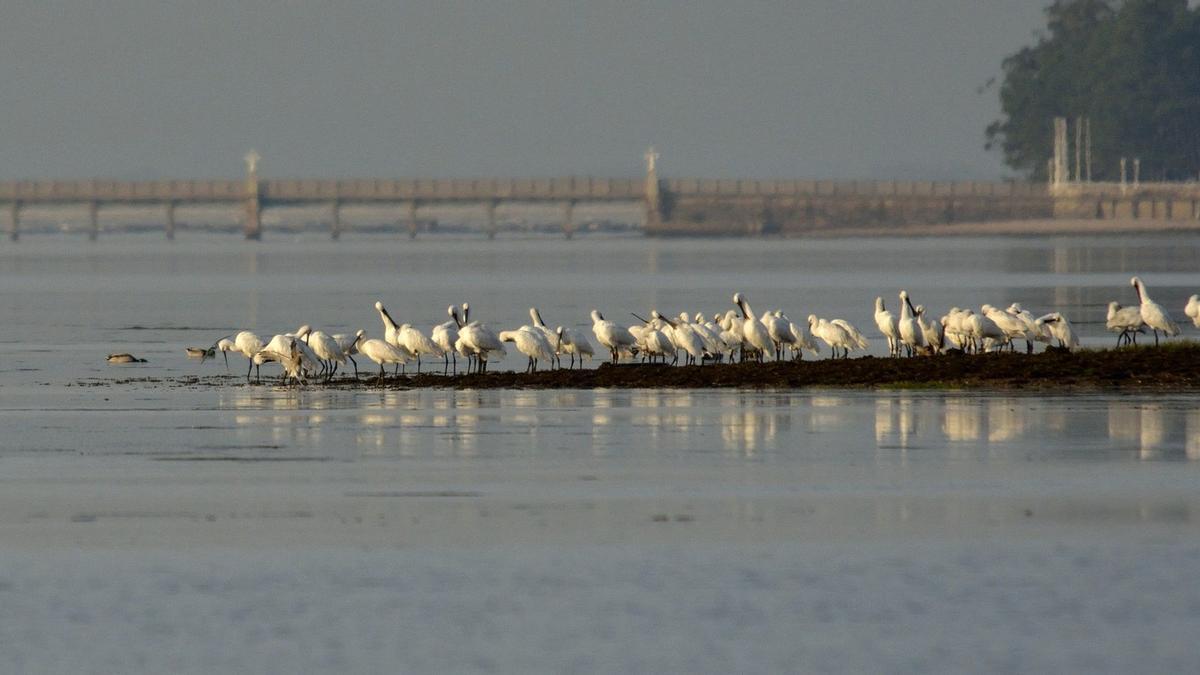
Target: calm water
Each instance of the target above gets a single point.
(157, 526)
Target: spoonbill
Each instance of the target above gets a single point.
(532, 343)
(287, 353)
(910, 331)
(479, 341)
(573, 342)
(444, 335)
(381, 352)
(417, 343)
(932, 331)
(349, 346)
(1153, 314)
(541, 327)
(1192, 310)
(245, 343)
(1060, 328)
(611, 335)
(754, 333)
(885, 321)
(1126, 321)
(328, 351)
(831, 334)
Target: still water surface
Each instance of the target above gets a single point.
(158, 526)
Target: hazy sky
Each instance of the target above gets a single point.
(800, 88)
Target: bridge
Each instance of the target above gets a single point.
(671, 206)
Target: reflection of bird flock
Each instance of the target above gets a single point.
(306, 353)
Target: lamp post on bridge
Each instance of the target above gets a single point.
(252, 226)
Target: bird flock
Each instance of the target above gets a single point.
(740, 333)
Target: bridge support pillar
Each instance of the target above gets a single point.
(569, 219)
(171, 220)
(252, 224)
(335, 229)
(491, 219)
(93, 220)
(14, 221)
(412, 219)
(252, 227)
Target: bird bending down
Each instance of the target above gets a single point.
(417, 343)
(1060, 328)
(381, 352)
(532, 343)
(1153, 314)
(1125, 321)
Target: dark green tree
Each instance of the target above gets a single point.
(1132, 67)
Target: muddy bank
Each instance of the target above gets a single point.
(1176, 366)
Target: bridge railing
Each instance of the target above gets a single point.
(735, 188)
(122, 191)
(471, 189)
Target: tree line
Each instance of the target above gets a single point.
(1132, 67)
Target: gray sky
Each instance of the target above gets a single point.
(805, 89)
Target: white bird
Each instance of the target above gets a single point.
(710, 335)
(532, 343)
(1032, 331)
(684, 337)
(658, 344)
(479, 341)
(982, 331)
(444, 335)
(954, 327)
(932, 331)
(417, 343)
(1126, 321)
(540, 326)
(1153, 314)
(612, 336)
(327, 350)
(391, 334)
(910, 331)
(1060, 328)
(801, 342)
(381, 352)
(1192, 310)
(754, 334)
(779, 329)
(285, 343)
(573, 343)
(244, 342)
(885, 321)
(831, 334)
(287, 353)
(731, 333)
(349, 346)
(1011, 326)
(857, 339)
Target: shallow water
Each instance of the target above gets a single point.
(162, 527)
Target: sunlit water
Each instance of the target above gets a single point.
(161, 527)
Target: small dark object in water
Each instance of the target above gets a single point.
(200, 352)
(124, 358)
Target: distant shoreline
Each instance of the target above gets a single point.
(1048, 226)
